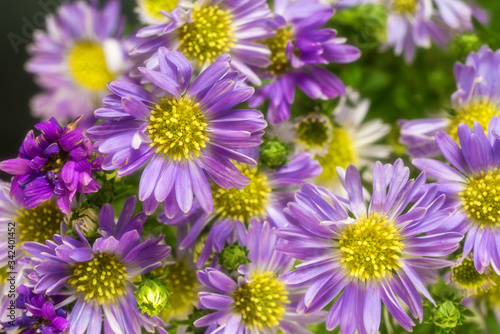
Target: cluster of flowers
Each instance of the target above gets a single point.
(242, 242)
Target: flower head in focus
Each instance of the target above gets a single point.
(185, 133)
(359, 256)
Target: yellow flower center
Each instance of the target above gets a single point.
(38, 224)
(341, 153)
(102, 278)
(277, 46)
(87, 65)
(492, 295)
(262, 301)
(479, 110)
(481, 198)
(178, 128)
(3, 275)
(466, 277)
(409, 7)
(247, 203)
(153, 7)
(313, 131)
(370, 248)
(209, 35)
(183, 284)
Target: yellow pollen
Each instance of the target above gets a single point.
(87, 65)
(481, 198)
(409, 7)
(277, 46)
(478, 110)
(262, 301)
(3, 275)
(247, 203)
(153, 7)
(183, 284)
(178, 128)
(341, 152)
(313, 131)
(468, 279)
(91, 278)
(38, 224)
(209, 35)
(370, 248)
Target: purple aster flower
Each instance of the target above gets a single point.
(473, 182)
(54, 163)
(210, 29)
(186, 131)
(38, 315)
(297, 48)
(150, 11)
(99, 277)
(477, 99)
(80, 51)
(263, 199)
(359, 257)
(260, 301)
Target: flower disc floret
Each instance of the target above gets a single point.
(177, 128)
(481, 110)
(262, 301)
(277, 45)
(370, 248)
(468, 279)
(313, 130)
(153, 7)
(87, 65)
(481, 198)
(40, 223)
(209, 35)
(101, 278)
(247, 203)
(409, 7)
(341, 152)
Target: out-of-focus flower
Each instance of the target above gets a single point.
(54, 163)
(187, 132)
(263, 199)
(79, 53)
(209, 30)
(150, 11)
(473, 183)
(360, 256)
(260, 301)
(477, 99)
(297, 49)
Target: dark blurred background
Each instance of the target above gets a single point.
(17, 86)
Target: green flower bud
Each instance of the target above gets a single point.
(152, 296)
(86, 219)
(274, 153)
(232, 256)
(466, 43)
(448, 316)
(365, 25)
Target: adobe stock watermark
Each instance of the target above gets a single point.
(29, 26)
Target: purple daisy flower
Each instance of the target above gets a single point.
(477, 99)
(263, 199)
(234, 26)
(473, 183)
(187, 131)
(361, 256)
(260, 301)
(79, 53)
(99, 277)
(54, 163)
(298, 46)
(38, 315)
